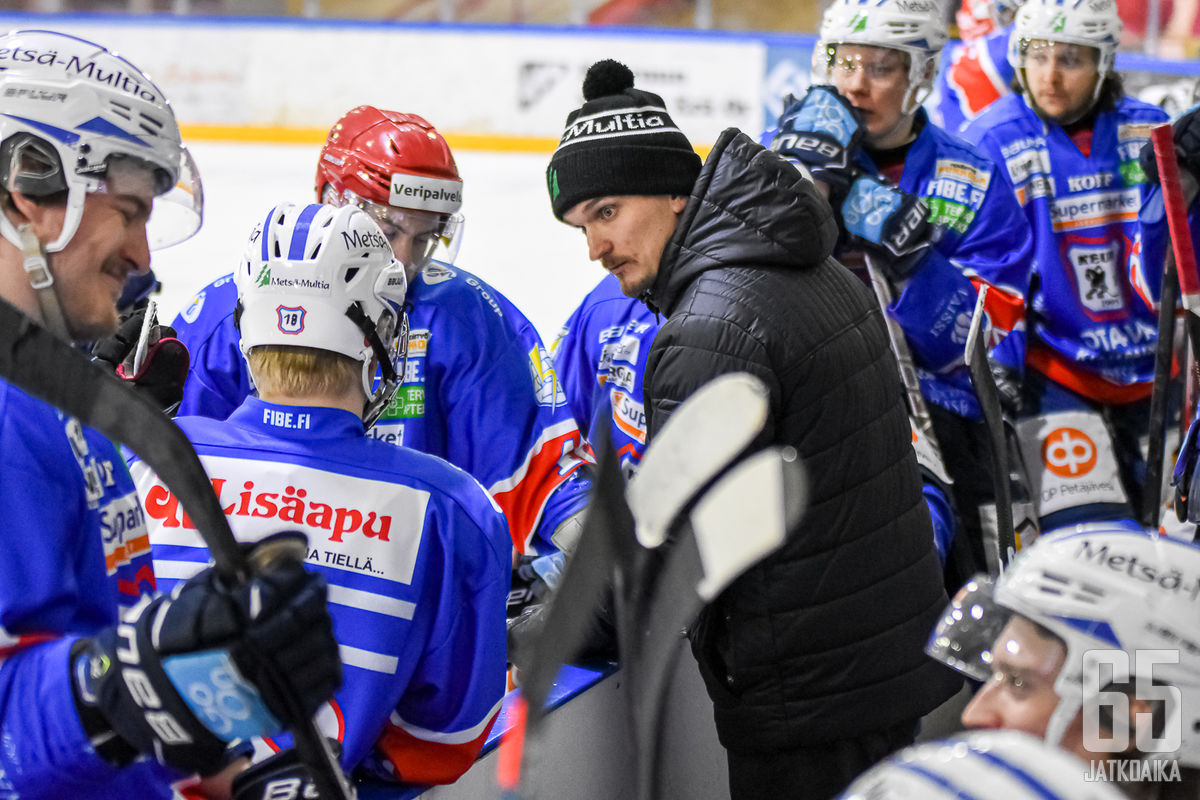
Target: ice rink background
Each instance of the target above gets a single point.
(511, 239)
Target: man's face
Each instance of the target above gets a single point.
(1020, 695)
(627, 234)
(414, 236)
(1061, 77)
(109, 246)
(875, 81)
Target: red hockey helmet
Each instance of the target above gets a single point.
(398, 168)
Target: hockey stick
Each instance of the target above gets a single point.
(1163, 353)
(745, 516)
(606, 538)
(1175, 205)
(702, 437)
(904, 359)
(993, 419)
(38, 362)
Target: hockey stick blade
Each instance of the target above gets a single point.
(702, 437)
(993, 418)
(39, 363)
(745, 516)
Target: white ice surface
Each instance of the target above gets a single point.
(511, 239)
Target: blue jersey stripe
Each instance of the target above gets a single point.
(937, 779)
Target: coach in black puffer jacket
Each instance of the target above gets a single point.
(824, 640)
(814, 658)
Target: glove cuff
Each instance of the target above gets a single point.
(107, 743)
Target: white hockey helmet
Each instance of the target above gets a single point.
(1091, 23)
(985, 765)
(914, 27)
(77, 109)
(324, 277)
(1100, 589)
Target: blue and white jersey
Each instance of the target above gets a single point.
(76, 552)
(600, 357)
(982, 239)
(975, 75)
(479, 390)
(1092, 316)
(417, 557)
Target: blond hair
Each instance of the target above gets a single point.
(303, 371)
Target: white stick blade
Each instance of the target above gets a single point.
(747, 515)
(700, 439)
(976, 325)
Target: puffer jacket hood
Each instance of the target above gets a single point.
(749, 206)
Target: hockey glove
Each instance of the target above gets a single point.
(890, 224)
(208, 664)
(822, 131)
(164, 367)
(1185, 132)
(283, 776)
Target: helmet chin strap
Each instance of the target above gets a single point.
(37, 269)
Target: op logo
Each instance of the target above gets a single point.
(1069, 452)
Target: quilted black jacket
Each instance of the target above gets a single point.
(824, 639)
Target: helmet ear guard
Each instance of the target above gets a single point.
(30, 165)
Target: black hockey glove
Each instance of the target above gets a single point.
(890, 224)
(525, 629)
(164, 366)
(208, 664)
(822, 131)
(283, 776)
(1185, 132)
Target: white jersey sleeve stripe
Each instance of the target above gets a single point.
(366, 659)
(447, 737)
(370, 601)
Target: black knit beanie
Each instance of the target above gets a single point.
(620, 141)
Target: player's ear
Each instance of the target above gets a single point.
(46, 218)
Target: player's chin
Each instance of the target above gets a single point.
(95, 321)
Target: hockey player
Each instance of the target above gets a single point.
(1089, 640)
(480, 389)
(978, 72)
(600, 358)
(985, 765)
(92, 704)
(415, 552)
(933, 215)
(1069, 141)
